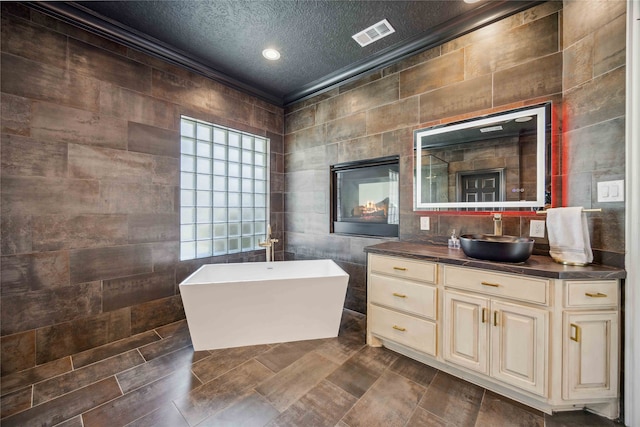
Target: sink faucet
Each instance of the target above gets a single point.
(268, 244)
(497, 224)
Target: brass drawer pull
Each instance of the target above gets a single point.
(395, 294)
(400, 268)
(596, 295)
(575, 332)
(484, 315)
(495, 318)
(399, 328)
(495, 285)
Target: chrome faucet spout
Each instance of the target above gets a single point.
(497, 224)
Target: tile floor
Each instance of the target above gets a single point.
(156, 379)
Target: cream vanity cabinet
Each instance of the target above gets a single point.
(550, 343)
(491, 324)
(402, 302)
(590, 339)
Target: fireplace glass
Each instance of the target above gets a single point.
(365, 199)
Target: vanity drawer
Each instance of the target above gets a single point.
(401, 267)
(523, 288)
(403, 295)
(403, 329)
(591, 293)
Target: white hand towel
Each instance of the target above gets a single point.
(569, 236)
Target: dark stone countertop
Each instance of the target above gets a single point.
(536, 265)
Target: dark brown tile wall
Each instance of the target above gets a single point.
(90, 174)
(594, 122)
(570, 53)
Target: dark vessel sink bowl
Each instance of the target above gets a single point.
(496, 248)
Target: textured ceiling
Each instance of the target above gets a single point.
(225, 38)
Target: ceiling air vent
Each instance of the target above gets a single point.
(373, 33)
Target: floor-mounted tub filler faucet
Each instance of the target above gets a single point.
(268, 244)
(497, 224)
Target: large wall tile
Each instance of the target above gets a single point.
(380, 92)
(579, 59)
(347, 127)
(106, 66)
(367, 147)
(166, 255)
(134, 290)
(15, 115)
(393, 116)
(31, 79)
(136, 107)
(300, 119)
(455, 99)
(100, 163)
(537, 78)
(307, 138)
(412, 61)
(63, 339)
(492, 54)
(27, 195)
(267, 118)
(135, 198)
(32, 310)
(56, 232)
(17, 353)
(111, 262)
(601, 99)
(583, 17)
(313, 158)
(156, 313)
(28, 157)
(432, 74)
(15, 237)
(50, 122)
(32, 272)
(181, 90)
(223, 105)
(153, 140)
(610, 43)
(33, 42)
(599, 147)
(145, 228)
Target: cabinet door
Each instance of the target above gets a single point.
(590, 355)
(465, 330)
(519, 346)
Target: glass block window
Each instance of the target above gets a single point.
(224, 181)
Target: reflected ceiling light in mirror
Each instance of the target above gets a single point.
(271, 54)
(491, 129)
(523, 119)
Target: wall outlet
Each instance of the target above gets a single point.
(425, 223)
(611, 191)
(536, 228)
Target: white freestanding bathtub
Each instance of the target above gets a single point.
(233, 305)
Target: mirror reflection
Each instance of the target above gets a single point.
(488, 163)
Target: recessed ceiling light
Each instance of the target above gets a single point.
(271, 54)
(471, 1)
(523, 119)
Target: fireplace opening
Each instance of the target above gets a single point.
(365, 197)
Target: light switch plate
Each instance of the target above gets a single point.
(425, 223)
(611, 191)
(536, 228)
